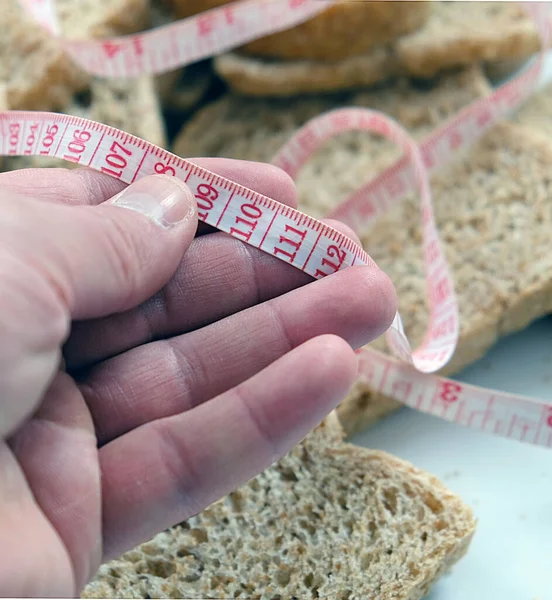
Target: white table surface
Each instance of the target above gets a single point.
(507, 484)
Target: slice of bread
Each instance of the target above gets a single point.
(345, 29)
(488, 265)
(462, 33)
(37, 72)
(130, 105)
(102, 18)
(494, 211)
(255, 129)
(457, 34)
(329, 520)
(537, 112)
(255, 76)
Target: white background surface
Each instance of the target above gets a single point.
(507, 484)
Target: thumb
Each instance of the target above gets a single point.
(111, 257)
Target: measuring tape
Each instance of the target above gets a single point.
(289, 234)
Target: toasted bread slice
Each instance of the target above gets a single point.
(329, 520)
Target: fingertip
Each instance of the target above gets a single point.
(387, 301)
(363, 303)
(335, 361)
(264, 178)
(284, 184)
(344, 229)
(321, 373)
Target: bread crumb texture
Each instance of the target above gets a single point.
(255, 129)
(35, 70)
(465, 33)
(488, 205)
(329, 520)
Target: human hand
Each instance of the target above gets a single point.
(191, 363)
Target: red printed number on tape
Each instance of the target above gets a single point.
(288, 234)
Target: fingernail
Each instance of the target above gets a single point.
(164, 200)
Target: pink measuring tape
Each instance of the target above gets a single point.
(288, 234)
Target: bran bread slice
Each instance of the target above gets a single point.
(102, 18)
(255, 129)
(460, 33)
(456, 34)
(329, 520)
(536, 112)
(37, 72)
(493, 210)
(255, 76)
(34, 68)
(130, 105)
(345, 29)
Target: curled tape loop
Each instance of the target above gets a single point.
(288, 234)
(442, 335)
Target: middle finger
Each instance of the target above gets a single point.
(168, 377)
(218, 276)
